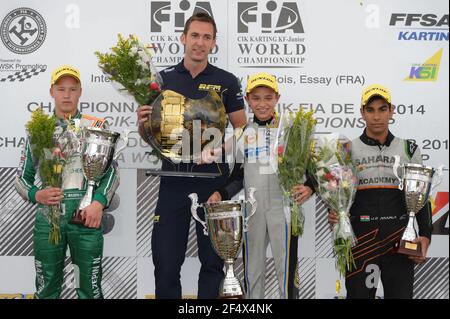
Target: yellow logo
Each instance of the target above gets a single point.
(428, 71)
(209, 87)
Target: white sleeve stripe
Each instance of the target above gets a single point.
(25, 165)
(109, 182)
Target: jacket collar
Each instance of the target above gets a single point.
(262, 123)
(62, 121)
(182, 69)
(373, 142)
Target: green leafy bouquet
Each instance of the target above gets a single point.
(335, 174)
(293, 148)
(41, 132)
(129, 64)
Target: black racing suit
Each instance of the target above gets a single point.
(379, 216)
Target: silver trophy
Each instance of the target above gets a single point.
(417, 182)
(97, 153)
(225, 223)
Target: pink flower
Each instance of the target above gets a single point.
(280, 150)
(57, 152)
(348, 174)
(331, 186)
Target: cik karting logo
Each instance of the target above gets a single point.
(439, 207)
(166, 25)
(427, 71)
(270, 34)
(23, 31)
(420, 27)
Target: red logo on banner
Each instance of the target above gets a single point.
(440, 213)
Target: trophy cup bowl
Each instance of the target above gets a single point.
(97, 153)
(225, 223)
(417, 182)
(179, 128)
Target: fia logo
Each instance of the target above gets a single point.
(269, 19)
(23, 30)
(162, 12)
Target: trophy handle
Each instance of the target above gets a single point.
(437, 178)
(237, 134)
(252, 202)
(87, 198)
(125, 140)
(194, 206)
(395, 169)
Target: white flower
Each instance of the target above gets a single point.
(320, 164)
(146, 81)
(133, 51)
(143, 56)
(143, 65)
(320, 173)
(76, 123)
(138, 82)
(147, 52)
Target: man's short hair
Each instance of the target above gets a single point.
(201, 17)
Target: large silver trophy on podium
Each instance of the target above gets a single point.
(417, 182)
(98, 150)
(226, 223)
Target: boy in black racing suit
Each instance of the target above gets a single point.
(378, 214)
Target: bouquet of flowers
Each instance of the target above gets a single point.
(336, 183)
(129, 64)
(49, 148)
(293, 149)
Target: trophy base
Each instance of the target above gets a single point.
(180, 174)
(77, 219)
(231, 297)
(406, 247)
(231, 288)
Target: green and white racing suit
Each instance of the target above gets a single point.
(85, 244)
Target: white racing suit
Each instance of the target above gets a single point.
(270, 223)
